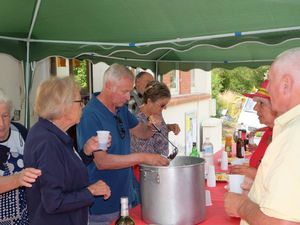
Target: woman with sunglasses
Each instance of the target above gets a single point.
(155, 99)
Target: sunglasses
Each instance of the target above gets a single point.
(120, 127)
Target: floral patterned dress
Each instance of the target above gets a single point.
(156, 144)
(12, 203)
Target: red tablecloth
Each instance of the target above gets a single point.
(215, 214)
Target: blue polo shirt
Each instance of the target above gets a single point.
(97, 117)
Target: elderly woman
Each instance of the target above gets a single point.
(13, 178)
(156, 97)
(266, 116)
(62, 194)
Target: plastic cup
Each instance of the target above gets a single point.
(103, 139)
(208, 198)
(211, 176)
(224, 161)
(234, 183)
(238, 162)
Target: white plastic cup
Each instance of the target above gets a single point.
(234, 183)
(211, 176)
(103, 139)
(238, 161)
(208, 201)
(224, 161)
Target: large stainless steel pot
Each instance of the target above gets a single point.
(173, 195)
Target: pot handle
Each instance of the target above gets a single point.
(152, 175)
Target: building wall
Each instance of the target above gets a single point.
(185, 82)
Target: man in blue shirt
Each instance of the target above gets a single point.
(108, 111)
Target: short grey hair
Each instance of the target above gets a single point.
(54, 96)
(287, 61)
(6, 100)
(115, 72)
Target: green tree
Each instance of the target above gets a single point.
(80, 73)
(237, 81)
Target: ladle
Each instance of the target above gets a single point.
(175, 149)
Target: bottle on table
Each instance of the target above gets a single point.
(195, 152)
(228, 145)
(240, 149)
(245, 139)
(208, 154)
(124, 218)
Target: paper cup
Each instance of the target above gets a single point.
(103, 139)
(234, 183)
(211, 176)
(224, 161)
(208, 201)
(238, 161)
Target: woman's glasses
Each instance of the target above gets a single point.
(120, 127)
(81, 101)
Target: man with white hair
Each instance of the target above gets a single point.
(108, 111)
(274, 197)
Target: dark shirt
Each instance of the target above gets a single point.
(59, 196)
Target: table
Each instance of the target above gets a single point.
(215, 214)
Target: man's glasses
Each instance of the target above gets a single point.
(120, 127)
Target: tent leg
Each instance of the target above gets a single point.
(27, 88)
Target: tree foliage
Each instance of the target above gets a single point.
(80, 73)
(239, 80)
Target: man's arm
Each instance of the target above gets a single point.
(103, 160)
(241, 206)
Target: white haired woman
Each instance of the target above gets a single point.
(62, 194)
(13, 178)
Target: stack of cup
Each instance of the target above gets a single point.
(211, 176)
(208, 201)
(224, 161)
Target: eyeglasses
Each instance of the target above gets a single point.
(81, 101)
(120, 127)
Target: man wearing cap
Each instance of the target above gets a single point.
(266, 116)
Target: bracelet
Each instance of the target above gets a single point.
(87, 159)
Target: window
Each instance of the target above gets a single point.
(174, 82)
(193, 80)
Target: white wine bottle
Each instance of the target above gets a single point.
(124, 219)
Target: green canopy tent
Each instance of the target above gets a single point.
(159, 35)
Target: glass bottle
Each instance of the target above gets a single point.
(228, 145)
(208, 154)
(240, 149)
(195, 152)
(124, 219)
